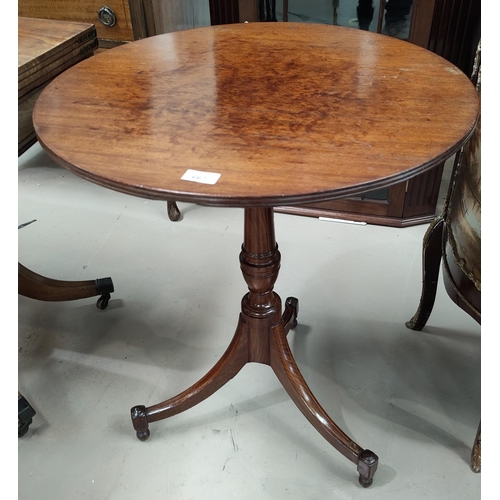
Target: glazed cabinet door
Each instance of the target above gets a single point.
(177, 15)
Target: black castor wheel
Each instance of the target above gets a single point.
(143, 436)
(105, 287)
(292, 302)
(25, 414)
(103, 301)
(365, 482)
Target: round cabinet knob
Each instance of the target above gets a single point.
(107, 16)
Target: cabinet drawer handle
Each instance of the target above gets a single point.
(107, 16)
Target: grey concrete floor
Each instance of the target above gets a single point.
(411, 397)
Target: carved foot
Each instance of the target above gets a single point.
(140, 422)
(173, 212)
(367, 466)
(290, 313)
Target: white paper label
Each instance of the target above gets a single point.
(202, 177)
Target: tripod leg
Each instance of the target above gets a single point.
(287, 371)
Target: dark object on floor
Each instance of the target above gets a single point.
(25, 414)
(173, 212)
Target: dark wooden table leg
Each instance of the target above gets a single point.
(235, 357)
(289, 375)
(36, 286)
(261, 338)
(431, 261)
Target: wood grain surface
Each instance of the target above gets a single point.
(40, 41)
(287, 113)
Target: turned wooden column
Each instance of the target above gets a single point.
(260, 263)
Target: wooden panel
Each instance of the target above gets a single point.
(248, 10)
(421, 22)
(455, 32)
(422, 194)
(141, 14)
(233, 11)
(224, 11)
(83, 11)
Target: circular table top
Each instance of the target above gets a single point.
(286, 113)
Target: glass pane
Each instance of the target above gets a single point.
(337, 12)
(366, 14)
(362, 14)
(379, 194)
(397, 18)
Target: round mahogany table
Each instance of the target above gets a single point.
(256, 116)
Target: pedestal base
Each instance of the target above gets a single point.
(260, 337)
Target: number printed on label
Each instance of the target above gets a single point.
(202, 177)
